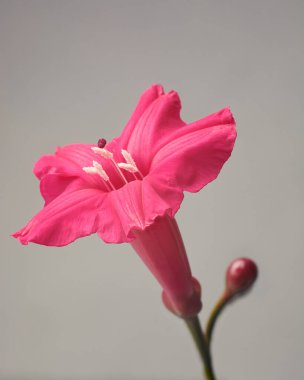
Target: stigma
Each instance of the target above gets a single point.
(101, 143)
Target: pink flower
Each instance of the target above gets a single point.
(130, 189)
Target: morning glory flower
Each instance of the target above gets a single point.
(129, 190)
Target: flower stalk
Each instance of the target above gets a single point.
(201, 343)
(240, 276)
(217, 310)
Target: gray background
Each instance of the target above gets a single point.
(72, 71)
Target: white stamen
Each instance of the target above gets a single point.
(90, 170)
(130, 168)
(131, 165)
(127, 156)
(109, 155)
(97, 165)
(100, 171)
(119, 171)
(97, 169)
(102, 152)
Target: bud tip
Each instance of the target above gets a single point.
(240, 276)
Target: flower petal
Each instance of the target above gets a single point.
(50, 164)
(146, 99)
(135, 206)
(69, 160)
(52, 185)
(158, 121)
(196, 153)
(66, 218)
(77, 154)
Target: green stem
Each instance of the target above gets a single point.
(198, 336)
(218, 308)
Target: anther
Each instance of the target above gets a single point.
(101, 143)
(130, 165)
(130, 168)
(102, 152)
(129, 159)
(100, 170)
(90, 170)
(109, 155)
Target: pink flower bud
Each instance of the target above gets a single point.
(240, 276)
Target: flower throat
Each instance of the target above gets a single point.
(129, 165)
